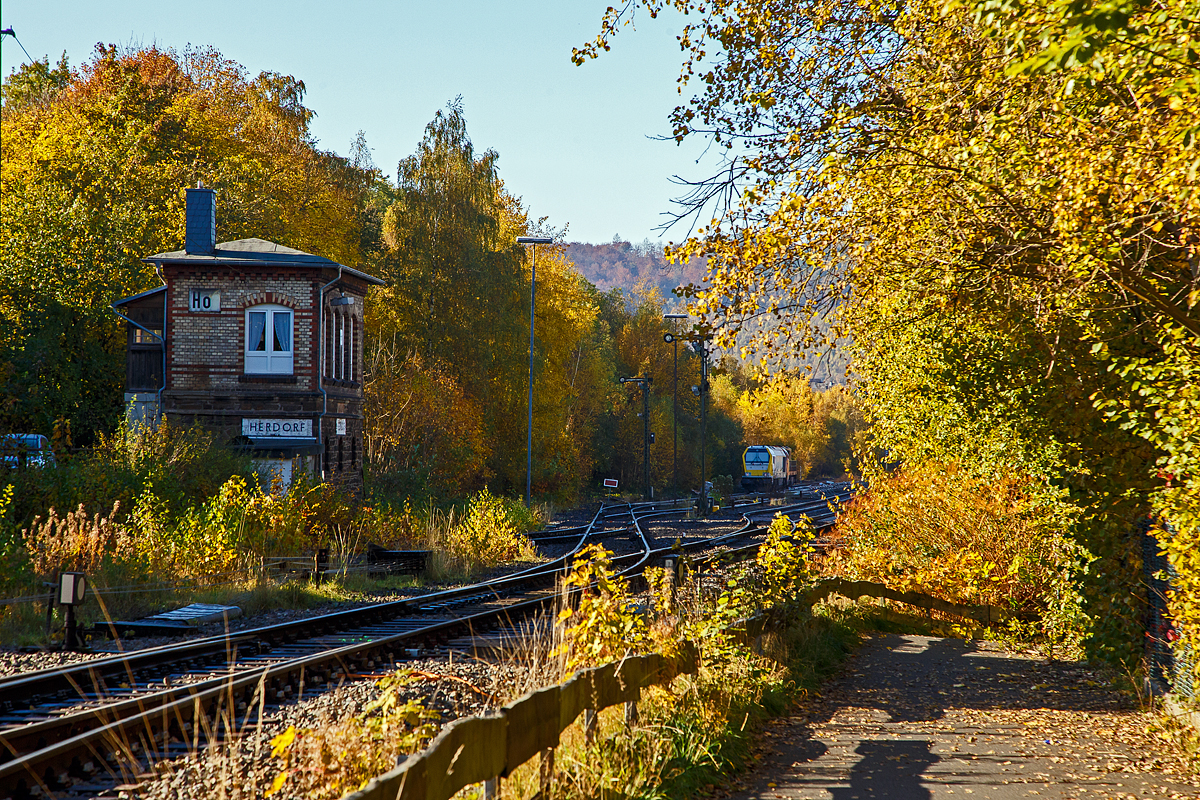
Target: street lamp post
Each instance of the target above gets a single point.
(645, 384)
(699, 342)
(673, 340)
(535, 241)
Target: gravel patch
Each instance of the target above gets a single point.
(14, 662)
(246, 769)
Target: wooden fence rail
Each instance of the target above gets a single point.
(479, 749)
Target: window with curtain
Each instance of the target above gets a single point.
(269, 343)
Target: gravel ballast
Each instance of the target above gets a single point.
(454, 687)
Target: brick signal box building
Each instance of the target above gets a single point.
(257, 342)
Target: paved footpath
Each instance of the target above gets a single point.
(915, 717)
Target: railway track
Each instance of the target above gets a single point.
(84, 729)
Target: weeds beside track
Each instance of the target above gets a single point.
(121, 721)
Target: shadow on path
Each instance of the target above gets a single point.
(889, 769)
(918, 717)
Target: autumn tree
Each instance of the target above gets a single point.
(424, 436)
(997, 202)
(458, 296)
(94, 168)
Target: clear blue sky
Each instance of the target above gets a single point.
(573, 141)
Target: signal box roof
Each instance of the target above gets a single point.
(257, 253)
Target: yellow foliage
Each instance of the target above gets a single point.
(935, 529)
(783, 558)
(341, 755)
(998, 181)
(784, 410)
(419, 419)
(486, 533)
(599, 623)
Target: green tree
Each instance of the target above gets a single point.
(36, 84)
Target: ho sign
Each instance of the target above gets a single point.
(610, 483)
(204, 300)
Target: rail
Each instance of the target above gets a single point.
(274, 661)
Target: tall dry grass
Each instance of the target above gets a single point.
(485, 533)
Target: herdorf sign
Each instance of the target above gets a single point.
(610, 483)
(280, 428)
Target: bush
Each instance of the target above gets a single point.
(599, 623)
(487, 532)
(185, 466)
(935, 529)
(722, 489)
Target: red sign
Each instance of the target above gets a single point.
(610, 483)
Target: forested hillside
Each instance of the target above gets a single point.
(621, 265)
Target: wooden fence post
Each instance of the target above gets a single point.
(491, 788)
(546, 771)
(590, 723)
(631, 713)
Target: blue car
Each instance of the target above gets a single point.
(26, 450)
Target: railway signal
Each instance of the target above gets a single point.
(673, 340)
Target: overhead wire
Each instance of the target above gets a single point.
(13, 34)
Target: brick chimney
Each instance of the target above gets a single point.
(201, 221)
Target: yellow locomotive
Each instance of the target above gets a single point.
(766, 468)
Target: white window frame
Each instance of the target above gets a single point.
(269, 361)
(327, 341)
(340, 348)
